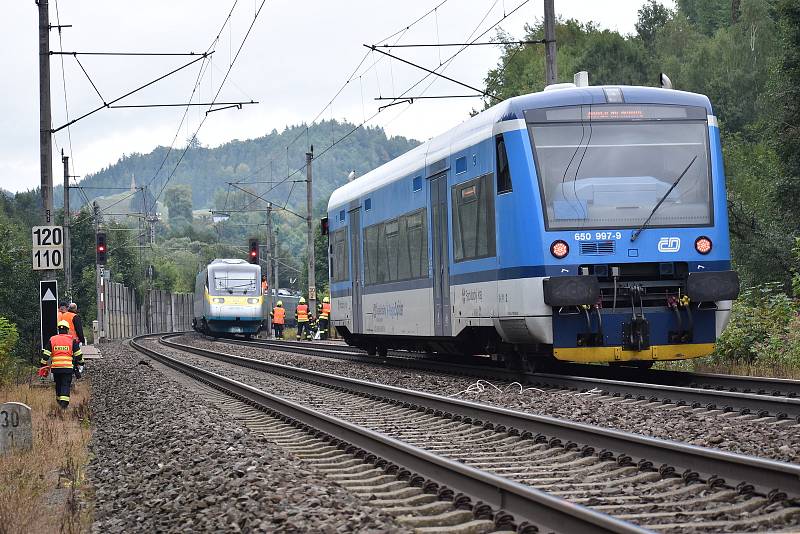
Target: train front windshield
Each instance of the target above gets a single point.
(232, 281)
(608, 166)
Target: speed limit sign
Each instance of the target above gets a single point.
(48, 247)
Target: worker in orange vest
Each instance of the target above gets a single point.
(63, 354)
(264, 284)
(301, 314)
(324, 317)
(64, 314)
(278, 315)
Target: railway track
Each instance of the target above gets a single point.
(771, 400)
(658, 485)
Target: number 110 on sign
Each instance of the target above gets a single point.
(48, 250)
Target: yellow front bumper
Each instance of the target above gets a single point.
(617, 354)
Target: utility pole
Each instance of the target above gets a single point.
(101, 305)
(551, 69)
(67, 229)
(45, 120)
(270, 280)
(312, 290)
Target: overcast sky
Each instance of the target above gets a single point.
(296, 58)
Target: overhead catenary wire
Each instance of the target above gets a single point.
(219, 90)
(444, 64)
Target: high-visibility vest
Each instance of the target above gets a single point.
(302, 313)
(264, 286)
(68, 316)
(326, 310)
(278, 315)
(61, 351)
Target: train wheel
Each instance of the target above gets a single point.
(248, 337)
(372, 350)
(383, 351)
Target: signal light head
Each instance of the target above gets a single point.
(703, 245)
(101, 248)
(559, 249)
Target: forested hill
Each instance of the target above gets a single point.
(208, 170)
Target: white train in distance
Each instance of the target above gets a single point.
(228, 299)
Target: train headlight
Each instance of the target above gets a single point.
(702, 245)
(218, 300)
(254, 300)
(559, 249)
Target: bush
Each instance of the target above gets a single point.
(764, 329)
(8, 341)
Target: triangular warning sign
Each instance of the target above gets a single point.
(48, 296)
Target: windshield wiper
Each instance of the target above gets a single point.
(638, 231)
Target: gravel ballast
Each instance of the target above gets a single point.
(698, 427)
(163, 460)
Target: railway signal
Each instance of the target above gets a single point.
(252, 255)
(101, 248)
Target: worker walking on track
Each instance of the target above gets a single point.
(65, 314)
(77, 323)
(324, 313)
(63, 354)
(278, 315)
(301, 315)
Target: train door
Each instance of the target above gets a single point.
(355, 267)
(441, 257)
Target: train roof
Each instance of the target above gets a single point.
(485, 124)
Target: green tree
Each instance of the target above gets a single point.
(784, 101)
(652, 17)
(178, 199)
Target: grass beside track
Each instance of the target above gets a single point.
(44, 490)
(743, 369)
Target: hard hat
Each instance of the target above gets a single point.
(279, 304)
(63, 324)
(302, 300)
(326, 299)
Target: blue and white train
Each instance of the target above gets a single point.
(586, 224)
(227, 299)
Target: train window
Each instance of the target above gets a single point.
(417, 183)
(473, 219)
(461, 164)
(396, 250)
(391, 239)
(367, 204)
(341, 215)
(503, 172)
(415, 252)
(371, 254)
(340, 261)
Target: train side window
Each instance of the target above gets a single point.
(473, 219)
(396, 250)
(340, 261)
(391, 230)
(503, 171)
(370, 254)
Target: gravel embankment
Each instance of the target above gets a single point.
(165, 460)
(661, 421)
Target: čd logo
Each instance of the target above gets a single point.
(669, 244)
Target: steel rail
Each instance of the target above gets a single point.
(765, 476)
(523, 502)
(760, 404)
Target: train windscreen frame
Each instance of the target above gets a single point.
(607, 165)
